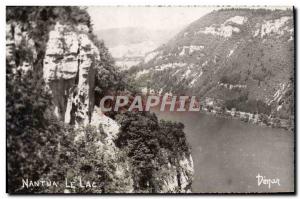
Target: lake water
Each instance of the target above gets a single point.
(228, 154)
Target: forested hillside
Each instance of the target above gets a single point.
(242, 58)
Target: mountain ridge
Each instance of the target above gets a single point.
(243, 57)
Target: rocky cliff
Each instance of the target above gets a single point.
(69, 58)
(69, 70)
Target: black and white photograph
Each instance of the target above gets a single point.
(150, 99)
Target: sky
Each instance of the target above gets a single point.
(156, 18)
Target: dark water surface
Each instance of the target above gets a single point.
(228, 154)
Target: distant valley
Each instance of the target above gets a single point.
(129, 45)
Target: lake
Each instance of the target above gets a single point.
(228, 154)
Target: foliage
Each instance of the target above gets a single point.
(30, 130)
(172, 137)
(232, 79)
(143, 137)
(76, 159)
(109, 80)
(243, 103)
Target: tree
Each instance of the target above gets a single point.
(144, 137)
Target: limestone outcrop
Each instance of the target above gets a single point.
(69, 71)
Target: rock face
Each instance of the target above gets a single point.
(69, 70)
(177, 178)
(69, 73)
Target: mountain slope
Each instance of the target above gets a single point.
(242, 57)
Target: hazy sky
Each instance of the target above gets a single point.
(148, 17)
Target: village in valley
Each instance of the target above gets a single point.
(216, 107)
